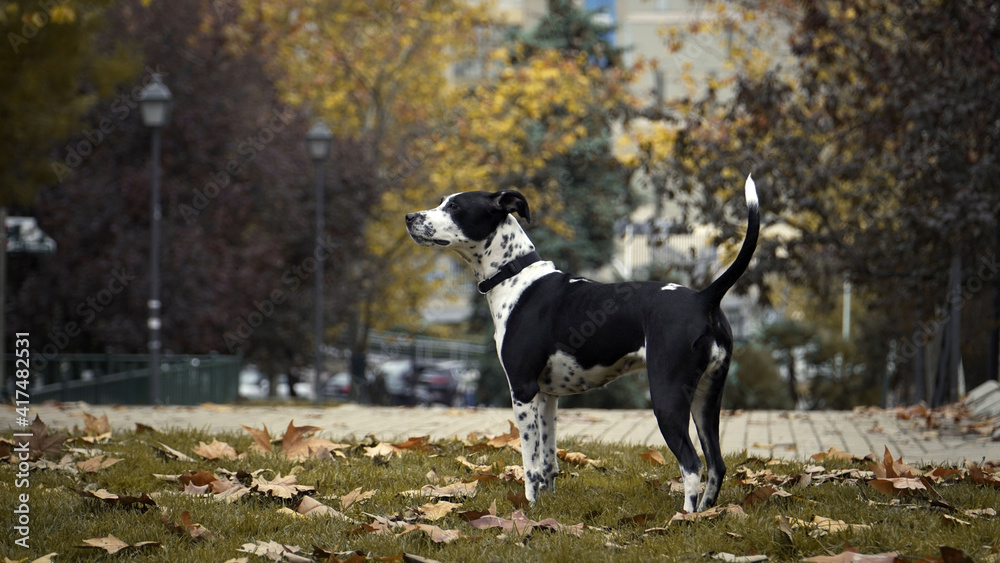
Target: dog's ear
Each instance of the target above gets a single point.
(512, 202)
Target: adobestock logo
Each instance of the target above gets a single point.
(121, 108)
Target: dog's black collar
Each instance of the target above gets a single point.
(508, 270)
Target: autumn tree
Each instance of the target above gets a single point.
(544, 124)
(377, 72)
(53, 70)
(875, 149)
(236, 236)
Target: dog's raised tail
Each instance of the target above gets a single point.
(723, 283)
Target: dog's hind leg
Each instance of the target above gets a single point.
(672, 407)
(705, 408)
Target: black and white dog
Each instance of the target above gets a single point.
(558, 334)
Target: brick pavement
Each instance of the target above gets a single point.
(781, 434)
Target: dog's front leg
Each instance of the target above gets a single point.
(547, 419)
(528, 424)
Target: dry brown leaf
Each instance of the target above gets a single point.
(890, 468)
(763, 493)
(484, 469)
(95, 464)
(312, 507)
(435, 533)
(111, 499)
(475, 515)
(521, 525)
(835, 453)
(511, 439)
(414, 443)
(261, 439)
(821, 526)
(187, 528)
(437, 510)
(852, 556)
(653, 456)
(899, 486)
(454, 490)
(41, 444)
(94, 426)
(711, 513)
(199, 478)
(283, 487)
(215, 450)
(275, 551)
(172, 453)
(578, 458)
(113, 545)
(299, 443)
(383, 450)
(355, 497)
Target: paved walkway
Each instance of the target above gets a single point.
(780, 434)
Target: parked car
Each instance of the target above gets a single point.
(425, 383)
(255, 385)
(338, 387)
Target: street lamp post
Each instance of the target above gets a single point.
(155, 101)
(318, 139)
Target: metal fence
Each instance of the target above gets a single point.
(124, 379)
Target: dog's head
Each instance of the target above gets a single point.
(467, 218)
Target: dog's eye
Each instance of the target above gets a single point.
(451, 206)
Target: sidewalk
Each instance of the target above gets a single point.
(779, 434)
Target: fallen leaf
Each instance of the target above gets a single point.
(762, 493)
(94, 426)
(518, 499)
(855, 557)
(438, 510)
(141, 428)
(821, 526)
(261, 439)
(309, 506)
(521, 525)
(383, 450)
(298, 443)
(890, 468)
(113, 545)
(415, 443)
(275, 551)
(511, 439)
(898, 486)
(730, 558)
(513, 473)
(215, 450)
(95, 464)
(282, 487)
(172, 453)
(951, 518)
(186, 528)
(111, 499)
(355, 497)
(711, 513)
(578, 458)
(41, 444)
(653, 456)
(475, 515)
(835, 453)
(201, 478)
(435, 533)
(454, 490)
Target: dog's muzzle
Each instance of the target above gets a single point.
(421, 232)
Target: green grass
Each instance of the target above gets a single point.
(607, 500)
